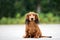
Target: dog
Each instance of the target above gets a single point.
(32, 30)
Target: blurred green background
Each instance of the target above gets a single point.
(13, 11)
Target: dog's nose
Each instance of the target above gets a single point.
(31, 18)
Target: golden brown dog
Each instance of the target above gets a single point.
(32, 29)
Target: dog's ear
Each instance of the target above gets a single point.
(36, 18)
(27, 19)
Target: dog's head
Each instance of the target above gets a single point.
(32, 16)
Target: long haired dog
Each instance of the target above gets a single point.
(32, 29)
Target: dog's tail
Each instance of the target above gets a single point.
(45, 36)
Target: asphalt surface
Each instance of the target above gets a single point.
(16, 32)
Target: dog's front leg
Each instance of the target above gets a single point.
(36, 36)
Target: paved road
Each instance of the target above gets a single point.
(16, 32)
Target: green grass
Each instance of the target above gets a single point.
(44, 18)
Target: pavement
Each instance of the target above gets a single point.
(16, 32)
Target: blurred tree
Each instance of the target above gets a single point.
(7, 8)
(50, 6)
(55, 6)
(11, 7)
(45, 6)
(32, 5)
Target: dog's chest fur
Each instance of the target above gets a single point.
(32, 27)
